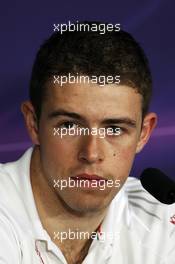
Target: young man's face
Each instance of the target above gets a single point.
(110, 157)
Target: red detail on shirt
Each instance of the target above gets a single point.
(172, 219)
(99, 230)
(38, 253)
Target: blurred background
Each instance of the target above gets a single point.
(26, 24)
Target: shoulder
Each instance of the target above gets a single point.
(17, 231)
(145, 205)
(10, 172)
(13, 208)
(9, 205)
(146, 231)
(158, 218)
(9, 242)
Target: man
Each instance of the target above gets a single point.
(72, 183)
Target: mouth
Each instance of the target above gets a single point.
(89, 177)
(89, 181)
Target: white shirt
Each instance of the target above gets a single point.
(138, 228)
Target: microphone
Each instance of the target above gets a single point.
(158, 185)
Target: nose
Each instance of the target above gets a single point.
(91, 150)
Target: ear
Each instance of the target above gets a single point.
(30, 120)
(148, 125)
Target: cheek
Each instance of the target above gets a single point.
(122, 159)
(124, 148)
(127, 154)
(52, 144)
(57, 153)
(126, 160)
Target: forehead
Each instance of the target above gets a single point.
(94, 101)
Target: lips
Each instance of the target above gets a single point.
(89, 177)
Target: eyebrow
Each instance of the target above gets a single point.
(121, 120)
(58, 113)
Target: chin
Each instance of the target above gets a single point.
(86, 201)
(87, 208)
(88, 204)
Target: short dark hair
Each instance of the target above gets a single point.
(91, 53)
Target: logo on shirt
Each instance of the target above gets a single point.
(172, 219)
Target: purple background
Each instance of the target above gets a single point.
(24, 25)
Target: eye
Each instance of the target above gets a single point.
(115, 130)
(68, 125)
